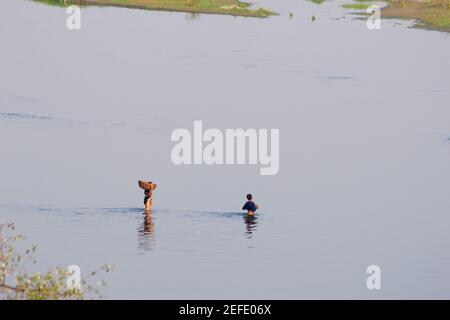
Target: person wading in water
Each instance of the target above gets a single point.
(250, 206)
(148, 187)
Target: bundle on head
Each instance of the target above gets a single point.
(147, 185)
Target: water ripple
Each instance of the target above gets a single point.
(23, 116)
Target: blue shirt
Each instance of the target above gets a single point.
(249, 206)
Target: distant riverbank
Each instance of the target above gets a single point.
(432, 14)
(226, 7)
(429, 14)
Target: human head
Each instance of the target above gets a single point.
(249, 197)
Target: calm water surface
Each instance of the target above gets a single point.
(364, 161)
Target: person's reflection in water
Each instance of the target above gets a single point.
(146, 241)
(251, 222)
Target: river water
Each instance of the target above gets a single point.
(364, 150)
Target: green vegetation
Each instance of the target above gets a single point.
(432, 14)
(18, 284)
(317, 1)
(388, 1)
(227, 7)
(361, 5)
(59, 3)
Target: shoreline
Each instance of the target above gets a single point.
(431, 15)
(222, 7)
(425, 14)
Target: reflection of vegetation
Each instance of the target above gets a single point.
(228, 7)
(434, 14)
(18, 284)
(191, 16)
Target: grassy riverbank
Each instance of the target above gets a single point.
(227, 7)
(431, 14)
